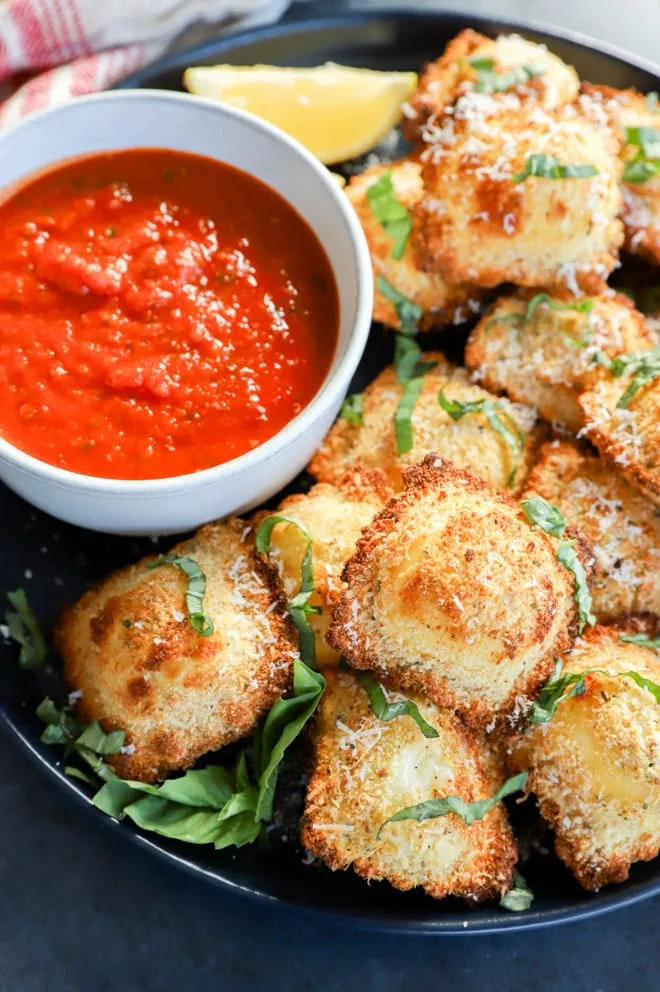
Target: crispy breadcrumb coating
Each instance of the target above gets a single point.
(469, 442)
(364, 770)
(594, 766)
(641, 201)
(547, 360)
(629, 437)
(493, 227)
(334, 516)
(550, 81)
(441, 302)
(130, 650)
(453, 594)
(619, 525)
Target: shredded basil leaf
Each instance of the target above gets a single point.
(642, 639)
(389, 711)
(468, 812)
(643, 366)
(519, 897)
(352, 409)
(24, 629)
(646, 163)
(489, 81)
(199, 621)
(89, 741)
(567, 556)
(652, 100)
(390, 214)
(582, 306)
(299, 608)
(560, 687)
(407, 311)
(545, 515)
(549, 167)
(510, 433)
(403, 428)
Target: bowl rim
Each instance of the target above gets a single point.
(341, 361)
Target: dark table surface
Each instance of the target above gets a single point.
(81, 911)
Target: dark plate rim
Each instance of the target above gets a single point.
(489, 921)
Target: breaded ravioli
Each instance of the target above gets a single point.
(365, 770)
(641, 198)
(594, 766)
(131, 652)
(508, 62)
(620, 526)
(546, 360)
(628, 436)
(441, 302)
(334, 516)
(508, 218)
(453, 594)
(470, 442)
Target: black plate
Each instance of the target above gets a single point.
(55, 562)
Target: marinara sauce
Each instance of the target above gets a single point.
(160, 313)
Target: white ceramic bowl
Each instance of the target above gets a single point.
(153, 118)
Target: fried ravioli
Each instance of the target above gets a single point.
(130, 650)
(334, 515)
(452, 594)
(529, 69)
(619, 525)
(469, 442)
(441, 302)
(641, 200)
(496, 226)
(365, 769)
(594, 766)
(545, 361)
(628, 437)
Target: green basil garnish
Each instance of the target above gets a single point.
(560, 687)
(513, 437)
(646, 163)
(545, 515)
(88, 741)
(652, 100)
(390, 214)
(299, 608)
(403, 429)
(199, 621)
(519, 897)
(643, 366)
(352, 409)
(468, 812)
(24, 629)
(407, 311)
(390, 711)
(489, 81)
(642, 640)
(549, 167)
(567, 556)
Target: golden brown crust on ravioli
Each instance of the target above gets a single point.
(365, 769)
(594, 766)
(618, 524)
(629, 437)
(334, 515)
(469, 442)
(546, 361)
(552, 82)
(453, 594)
(442, 303)
(562, 233)
(130, 650)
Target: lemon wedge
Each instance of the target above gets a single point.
(335, 111)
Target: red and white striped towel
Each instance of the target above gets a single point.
(81, 46)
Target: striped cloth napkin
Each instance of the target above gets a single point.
(53, 50)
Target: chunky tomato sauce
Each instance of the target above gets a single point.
(160, 313)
